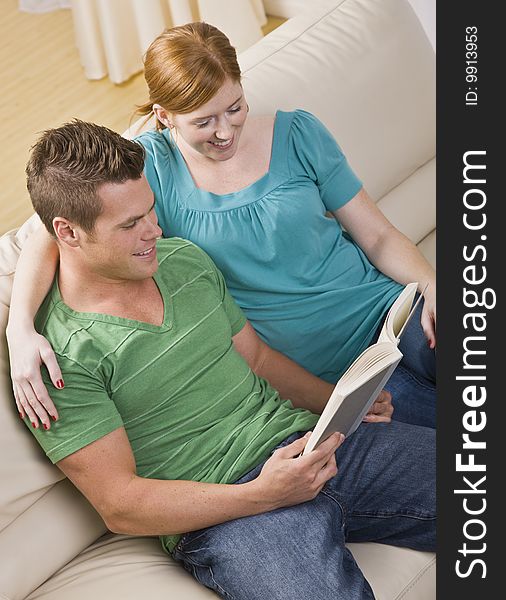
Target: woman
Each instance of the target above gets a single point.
(255, 193)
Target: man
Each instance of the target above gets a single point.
(167, 423)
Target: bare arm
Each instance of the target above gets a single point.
(287, 377)
(304, 389)
(391, 252)
(28, 350)
(104, 471)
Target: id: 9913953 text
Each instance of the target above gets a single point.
(472, 66)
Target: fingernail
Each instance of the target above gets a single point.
(21, 415)
(34, 425)
(46, 427)
(53, 417)
(60, 384)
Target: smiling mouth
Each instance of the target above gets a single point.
(145, 253)
(223, 145)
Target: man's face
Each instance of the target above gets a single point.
(123, 243)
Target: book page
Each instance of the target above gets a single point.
(363, 364)
(411, 312)
(399, 314)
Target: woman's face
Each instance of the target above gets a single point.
(214, 129)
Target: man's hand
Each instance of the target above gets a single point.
(288, 478)
(382, 409)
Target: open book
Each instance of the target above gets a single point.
(359, 386)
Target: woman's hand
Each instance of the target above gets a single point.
(28, 351)
(428, 319)
(382, 409)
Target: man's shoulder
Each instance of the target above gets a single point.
(64, 329)
(177, 252)
(181, 263)
(49, 310)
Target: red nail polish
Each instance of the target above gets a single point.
(53, 417)
(60, 384)
(21, 415)
(34, 425)
(46, 427)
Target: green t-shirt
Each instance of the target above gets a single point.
(191, 406)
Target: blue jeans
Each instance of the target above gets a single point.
(384, 492)
(413, 383)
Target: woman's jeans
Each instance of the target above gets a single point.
(413, 383)
(384, 492)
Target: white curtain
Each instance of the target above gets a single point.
(112, 35)
(42, 6)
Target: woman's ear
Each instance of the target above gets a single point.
(162, 115)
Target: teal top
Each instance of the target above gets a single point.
(306, 287)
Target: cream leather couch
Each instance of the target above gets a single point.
(366, 69)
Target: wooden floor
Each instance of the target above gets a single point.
(43, 85)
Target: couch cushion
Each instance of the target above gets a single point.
(367, 70)
(140, 569)
(411, 207)
(44, 520)
(123, 567)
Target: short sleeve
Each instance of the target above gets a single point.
(314, 150)
(86, 412)
(235, 315)
(158, 173)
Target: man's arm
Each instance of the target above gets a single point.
(105, 473)
(304, 389)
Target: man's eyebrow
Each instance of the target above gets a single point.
(197, 119)
(135, 218)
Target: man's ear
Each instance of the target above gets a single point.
(66, 232)
(163, 116)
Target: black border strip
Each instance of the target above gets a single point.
(469, 124)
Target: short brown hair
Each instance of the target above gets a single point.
(185, 67)
(68, 164)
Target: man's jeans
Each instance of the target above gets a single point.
(384, 492)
